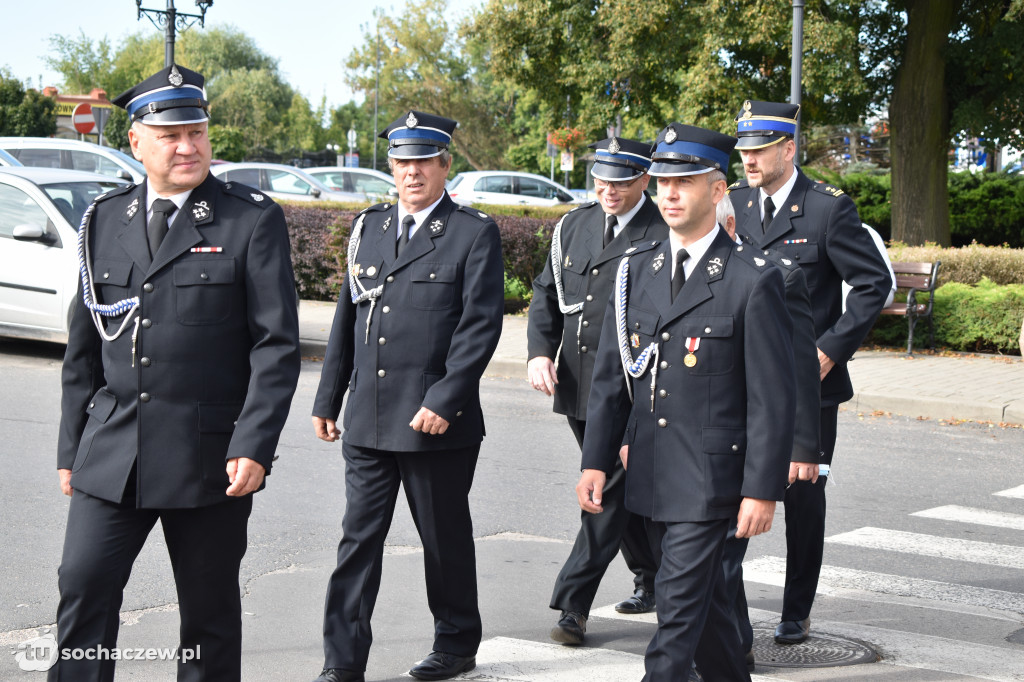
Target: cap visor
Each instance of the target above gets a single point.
(759, 141)
(414, 151)
(174, 117)
(614, 172)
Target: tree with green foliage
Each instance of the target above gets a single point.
(25, 112)
(939, 68)
(227, 143)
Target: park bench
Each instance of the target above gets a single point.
(918, 280)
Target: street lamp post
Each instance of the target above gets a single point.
(170, 19)
(376, 88)
(797, 76)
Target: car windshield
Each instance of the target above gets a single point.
(72, 198)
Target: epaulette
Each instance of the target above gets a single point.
(479, 215)
(247, 193)
(773, 255)
(376, 207)
(828, 189)
(117, 191)
(739, 184)
(640, 248)
(751, 256)
(586, 204)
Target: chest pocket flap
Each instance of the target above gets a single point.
(369, 271)
(110, 271)
(707, 326)
(643, 322)
(801, 253)
(204, 271)
(434, 272)
(578, 262)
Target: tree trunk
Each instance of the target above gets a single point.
(919, 118)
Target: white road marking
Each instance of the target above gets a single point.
(849, 583)
(1017, 492)
(1007, 556)
(981, 517)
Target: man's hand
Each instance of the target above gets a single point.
(589, 489)
(803, 471)
(245, 475)
(326, 429)
(825, 364)
(755, 517)
(65, 481)
(541, 373)
(429, 422)
(624, 456)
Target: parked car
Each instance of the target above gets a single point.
(8, 160)
(372, 184)
(40, 211)
(282, 182)
(53, 152)
(508, 187)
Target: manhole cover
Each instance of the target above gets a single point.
(818, 651)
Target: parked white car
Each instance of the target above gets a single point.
(40, 211)
(55, 152)
(371, 184)
(281, 182)
(508, 187)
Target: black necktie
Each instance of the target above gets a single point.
(679, 277)
(610, 221)
(769, 213)
(157, 228)
(403, 238)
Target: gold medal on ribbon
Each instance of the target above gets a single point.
(690, 360)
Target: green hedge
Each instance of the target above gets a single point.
(985, 317)
(987, 208)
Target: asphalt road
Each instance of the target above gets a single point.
(924, 559)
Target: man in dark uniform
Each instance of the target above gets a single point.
(695, 367)
(804, 458)
(181, 363)
(418, 319)
(779, 209)
(570, 297)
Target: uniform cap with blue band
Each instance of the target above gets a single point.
(418, 135)
(688, 150)
(617, 159)
(762, 124)
(172, 96)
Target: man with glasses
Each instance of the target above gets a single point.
(570, 298)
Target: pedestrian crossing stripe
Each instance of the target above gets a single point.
(505, 659)
(849, 583)
(992, 554)
(1017, 492)
(981, 517)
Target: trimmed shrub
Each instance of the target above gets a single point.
(318, 233)
(967, 264)
(985, 317)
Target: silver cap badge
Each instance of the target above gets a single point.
(613, 147)
(411, 121)
(174, 77)
(671, 136)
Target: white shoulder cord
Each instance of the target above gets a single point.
(97, 310)
(649, 356)
(358, 292)
(556, 271)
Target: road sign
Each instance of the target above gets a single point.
(567, 161)
(83, 119)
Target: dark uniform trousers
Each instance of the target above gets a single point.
(437, 486)
(600, 537)
(206, 546)
(426, 344)
(822, 232)
(719, 430)
(588, 276)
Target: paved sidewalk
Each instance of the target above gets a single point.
(978, 387)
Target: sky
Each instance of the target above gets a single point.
(310, 38)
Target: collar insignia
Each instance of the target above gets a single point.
(174, 77)
(658, 262)
(256, 197)
(386, 225)
(411, 121)
(133, 208)
(200, 210)
(436, 226)
(714, 266)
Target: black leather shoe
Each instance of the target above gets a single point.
(339, 675)
(442, 666)
(792, 631)
(750, 661)
(642, 601)
(570, 628)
